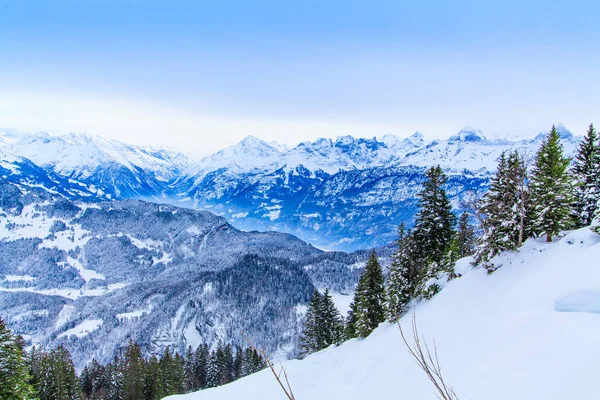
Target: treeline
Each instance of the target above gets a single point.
(424, 256)
(530, 196)
(37, 374)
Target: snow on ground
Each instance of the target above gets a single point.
(18, 278)
(528, 331)
(341, 300)
(69, 293)
(86, 327)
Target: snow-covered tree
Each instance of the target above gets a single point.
(465, 241)
(404, 277)
(434, 225)
(14, 375)
(504, 209)
(551, 191)
(586, 177)
(309, 340)
(331, 323)
(370, 298)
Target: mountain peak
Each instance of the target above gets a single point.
(468, 134)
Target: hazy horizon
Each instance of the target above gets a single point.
(203, 75)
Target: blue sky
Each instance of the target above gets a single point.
(201, 75)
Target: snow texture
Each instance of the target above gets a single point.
(500, 336)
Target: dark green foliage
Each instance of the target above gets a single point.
(55, 377)
(586, 176)
(551, 191)
(369, 298)
(323, 324)
(505, 210)
(405, 276)
(465, 240)
(14, 376)
(434, 225)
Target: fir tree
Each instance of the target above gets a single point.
(504, 209)
(434, 225)
(14, 375)
(350, 323)
(370, 298)
(465, 237)
(132, 367)
(586, 176)
(331, 323)
(405, 275)
(309, 340)
(550, 188)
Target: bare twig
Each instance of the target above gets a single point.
(429, 362)
(287, 388)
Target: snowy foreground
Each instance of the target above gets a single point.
(529, 331)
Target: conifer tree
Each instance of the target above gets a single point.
(551, 192)
(405, 275)
(153, 387)
(465, 236)
(14, 375)
(370, 298)
(132, 368)
(434, 225)
(504, 209)
(309, 340)
(350, 323)
(586, 176)
(331, 323)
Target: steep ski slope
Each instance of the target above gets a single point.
(529, 331)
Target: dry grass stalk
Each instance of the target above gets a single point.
(428, 362)
(287, 388)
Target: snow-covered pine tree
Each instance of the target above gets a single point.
(370, 298)
(14, 375)
(309, 340)
(504, 209)
(466, 242)
(133, 365)
(402, 277)
(586, 178)
(350, 322)
(434, 225)
(551, 191)
(332, 326)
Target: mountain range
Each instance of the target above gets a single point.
(343, 194)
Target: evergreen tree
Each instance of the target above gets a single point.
(370, 298)
(350, 324)
(405, 275)
(465, 237)
(331, 323)
(550, 188)
(14, 375)
(87, 385)
(132, 367)
(58, 379)
(434, 225)
(586, 175)
(505, 210)
(309, 339)
(238, 363)
(153, 387)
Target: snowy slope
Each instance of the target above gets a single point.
(529, 331)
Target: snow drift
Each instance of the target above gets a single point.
(529, 331)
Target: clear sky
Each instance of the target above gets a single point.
(200, 75)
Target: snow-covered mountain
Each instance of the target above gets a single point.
(92, 275)
(342, 194)
(123, 170)
(528, 331)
